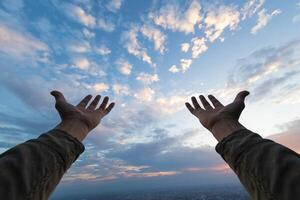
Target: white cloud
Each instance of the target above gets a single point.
(79, 14)
(21, 45)
(124, 66)
(105, 25)
(251, 7)
(80, 47)
(100, 87)
(218, 19)
(174, 69)
(103, 50)
(121, 89)
(263, 19)
(133, 46)
(185, 64)
(88, 34)
(147, 78)
(82, 63)
(171, 104)
(145, 95)
(199, 46)
(155, 35)
(171, 16)
(114, 5)
(185, 47)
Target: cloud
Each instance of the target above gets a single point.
(155, 35)
(171, 104)
(114, 5)
(103, 50)
(267, 61)
(251, 7)
(172, 16)
(82, 63)
(174, 69)
(88, 34)
(263, 19)
(121, 89)
(185, 47)
(185, 64)
(289, 137)
(145, 95)
(21, 46)
(78, 13)
(100, 87)
(267, 72)
(105, 25)
(80, 47)
(198, 47)
(147, 79)
(130, 41)
(218, 19)
(124, 66)
(82, 16)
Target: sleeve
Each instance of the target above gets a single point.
(267, 170)
(32, 170)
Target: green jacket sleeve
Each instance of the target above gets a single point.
(267, 170)
(32, 169)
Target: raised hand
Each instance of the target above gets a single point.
(219, 119)
(81, 119)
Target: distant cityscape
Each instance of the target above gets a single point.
(204, 193)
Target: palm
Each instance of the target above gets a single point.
(90, 115)
(209, 115)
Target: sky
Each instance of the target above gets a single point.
(149, 57)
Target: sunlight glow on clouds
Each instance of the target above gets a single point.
(263, 19)
(217, 20)
(171, 16)
(124, 66)
(143, 55)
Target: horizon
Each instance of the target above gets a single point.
(149, 57)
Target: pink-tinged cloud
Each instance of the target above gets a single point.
(222, 168)
(290, 140)
(151, 174)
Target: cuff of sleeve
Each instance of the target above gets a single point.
(67, 146)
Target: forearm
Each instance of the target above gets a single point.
(32, 169)
(268, 170)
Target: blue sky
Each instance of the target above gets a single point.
(149, 57)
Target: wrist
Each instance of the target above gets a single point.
(74, 127)
(225, 127)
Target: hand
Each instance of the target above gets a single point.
(81, 119)
(220, 120)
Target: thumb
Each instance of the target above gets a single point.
(240, 97)
(58, 96)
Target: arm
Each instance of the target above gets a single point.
(32, 169)
(267, 170)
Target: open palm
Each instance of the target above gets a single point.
(209, 115)
(90, 115)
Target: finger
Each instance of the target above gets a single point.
(104, 103)
(190, 108)
(205, 103)
(84, 101)
(241, 96)
(58, 96)
(94, 103)
(109, 108)
(215, 101)
(195, 103)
